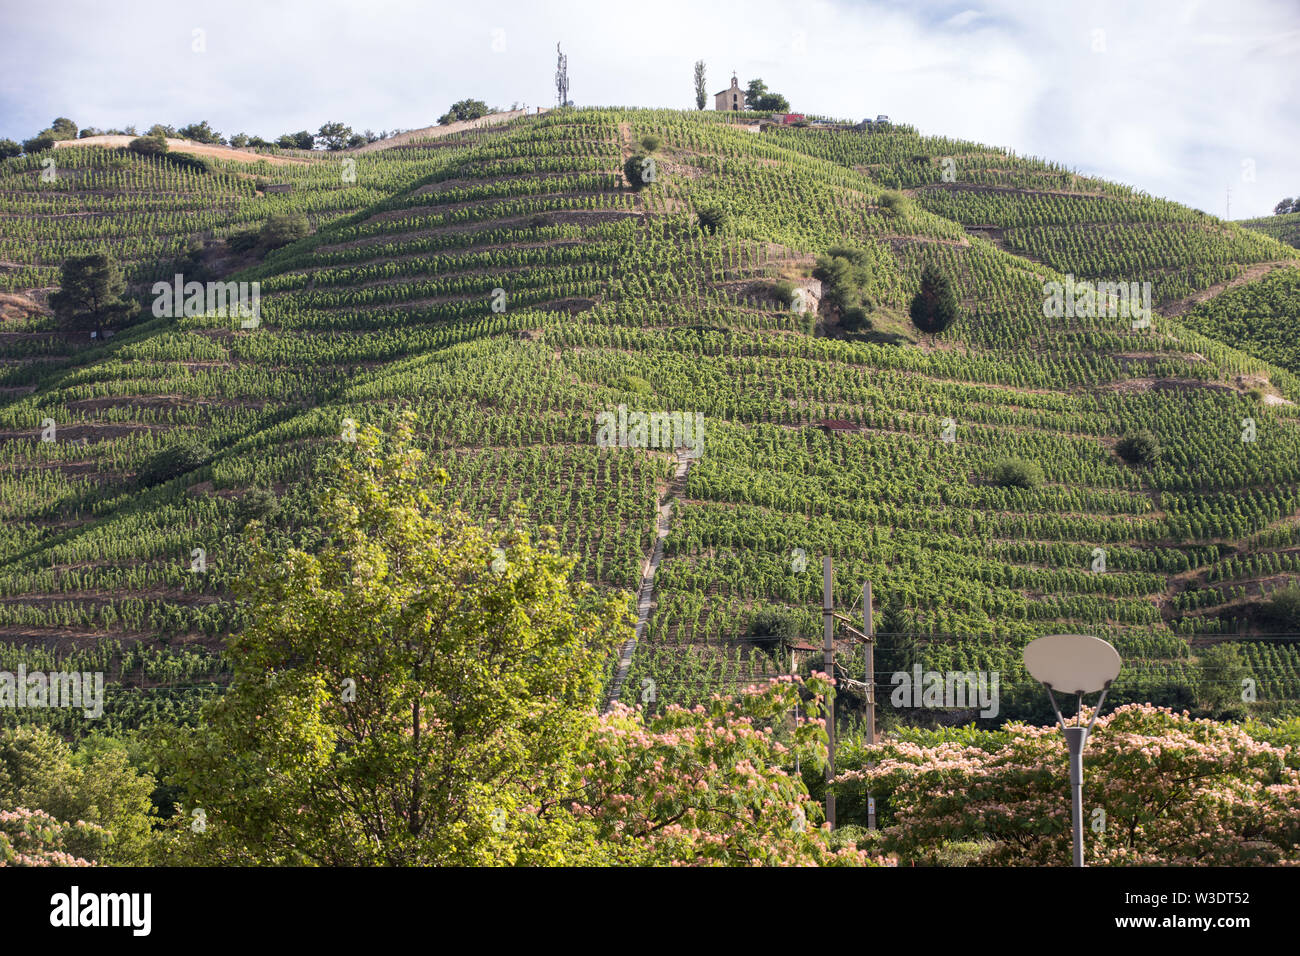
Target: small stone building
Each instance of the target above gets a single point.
(732, 98)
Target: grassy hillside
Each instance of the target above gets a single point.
(607, 296)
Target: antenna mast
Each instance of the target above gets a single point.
(561, 76)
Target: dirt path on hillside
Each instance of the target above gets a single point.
(186, 146)
(434, 132)
(645, 599)
(1253, 272)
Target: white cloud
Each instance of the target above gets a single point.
(1183, 93)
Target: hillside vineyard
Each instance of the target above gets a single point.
(507, 285)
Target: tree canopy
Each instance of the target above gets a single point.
(934, 307)
(91, 295)
(464, 110)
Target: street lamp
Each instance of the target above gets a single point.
(1074, 664)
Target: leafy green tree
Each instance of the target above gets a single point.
(638, 170)
(896, 638)
(701, 89)
(91, 295)
(302, 139)
(201, 133)
(61, 128)
(1017, 473)
(845, 273)
(8, 148)
(934, 307)
(38, 144)
(162, 130)
(401, 696)
(714, 217)
(754, 93)
(284, 228)
(149, 146)
(897, 203)
(239, 140)
(179, 458)
(95, 784)
(258, 504)
(333, 136)
(1286, 205)
(1139, 448)
(1282, 607)
(1221, 673)
(463, 110)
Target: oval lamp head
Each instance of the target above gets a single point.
(1072, 663)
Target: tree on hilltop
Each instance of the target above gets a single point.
(701, 94)
(758, 97)
(463, 110)
(303, 139)
(201, 133)
(149, 145)
(333, 136)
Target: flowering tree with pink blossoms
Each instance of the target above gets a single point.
(1160, 788)
(709, 785)
(34, 838)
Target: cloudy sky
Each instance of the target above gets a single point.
(1179, 99)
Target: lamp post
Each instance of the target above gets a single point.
(1074, 664)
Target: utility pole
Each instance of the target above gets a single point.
(869, 655)
(828, 612)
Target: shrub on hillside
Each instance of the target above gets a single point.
(634, 384)
(259, 504)
(714, 218)
(9, 148)
(242, 240)
(896, 203)
(845, 273)
(639, 170)
(1017, 473)
(38, 144)
(934, 307)
(1282, 607)
(856, 319)
(782, 623)
(280, 230)
(1139, 448)
(148, 145)
(173, 461)
(784, 292)
(650, 142)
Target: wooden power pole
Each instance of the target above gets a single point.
(828, 612)
(869, 656)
